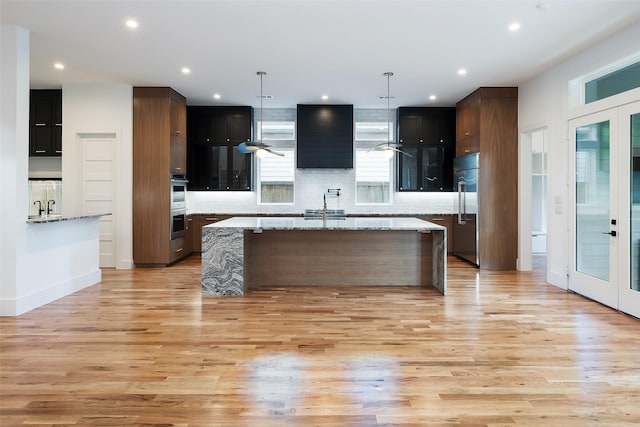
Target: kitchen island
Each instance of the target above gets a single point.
(242, 253)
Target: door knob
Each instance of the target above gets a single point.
(611, 233)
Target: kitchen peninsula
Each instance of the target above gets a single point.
(242, 253)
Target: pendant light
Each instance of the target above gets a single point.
(388, 147)
(257, 147)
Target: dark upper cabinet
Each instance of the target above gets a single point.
(324, 136)
(434, 126)
(428, 135)
(45, 122)
(213, 160)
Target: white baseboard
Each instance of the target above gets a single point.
(24, 303)
(558, 279)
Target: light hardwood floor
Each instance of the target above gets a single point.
(143, 348)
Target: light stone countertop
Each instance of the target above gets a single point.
(349, 223)
(61, 217)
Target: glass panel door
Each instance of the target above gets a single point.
(629, 286)
(593, 181)
(594, 196)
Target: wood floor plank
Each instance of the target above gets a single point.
(144, 348)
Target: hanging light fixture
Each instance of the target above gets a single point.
(257, 147)
(388, 147)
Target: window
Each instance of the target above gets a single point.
(373, 172)
(613, 83)
(276, 176)
(373, 131)
(372, 168)
(276, 131)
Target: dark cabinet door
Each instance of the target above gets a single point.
(45, 123)
(213, 161)
(434, 126)
(240, 127)
(40, 140)
(409, 126)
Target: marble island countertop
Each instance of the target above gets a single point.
(43, 219)
(349, 223)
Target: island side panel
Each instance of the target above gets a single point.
(336, 258)
(439, 259)
(223, 261)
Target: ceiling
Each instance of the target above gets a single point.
(308, 48)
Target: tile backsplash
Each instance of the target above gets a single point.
(44, 191)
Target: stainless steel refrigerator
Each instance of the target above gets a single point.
(465, 229)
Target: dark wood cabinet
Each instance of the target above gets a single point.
(45, 122)
(199, 221)
(178, 135)
(433, 126)
(428, 135)
(158, 127)
(468, 125)
(446, 220)
(489, 126)
(213, 160)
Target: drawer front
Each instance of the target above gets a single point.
(177, 249)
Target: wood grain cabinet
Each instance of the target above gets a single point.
(159, 123)
(45, 122)
(468, 125)
(489, 126)
(446, 221)
(199, 221)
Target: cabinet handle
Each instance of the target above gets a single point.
(211, 219)
(189, 219)
(58, 151)
(178, 169)
(436, 219)
(178, 250)
(467, 134)
(41, 124)
(420, 140)
(41, 151)
(58, 124)
(178, 132)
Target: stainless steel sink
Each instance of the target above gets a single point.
(318, 214)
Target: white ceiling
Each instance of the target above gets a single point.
(310, 47)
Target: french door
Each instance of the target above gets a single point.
(605, 199)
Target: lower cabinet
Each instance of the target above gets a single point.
(199, 221)
(447, 222)
(177, 249)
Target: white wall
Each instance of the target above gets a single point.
(100, 109)
(38, 262)
(545, 102)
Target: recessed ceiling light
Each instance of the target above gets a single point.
(186, 70)
(462, 72)
(514, 26)
(132, 23)
(432, 97)
(325, 97)
(216, 96)
(58, 66)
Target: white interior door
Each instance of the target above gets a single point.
(629, 286)
(605, 230)
(594, 194)
(98, 188)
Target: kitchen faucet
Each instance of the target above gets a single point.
(40, 208)
(49, 208)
